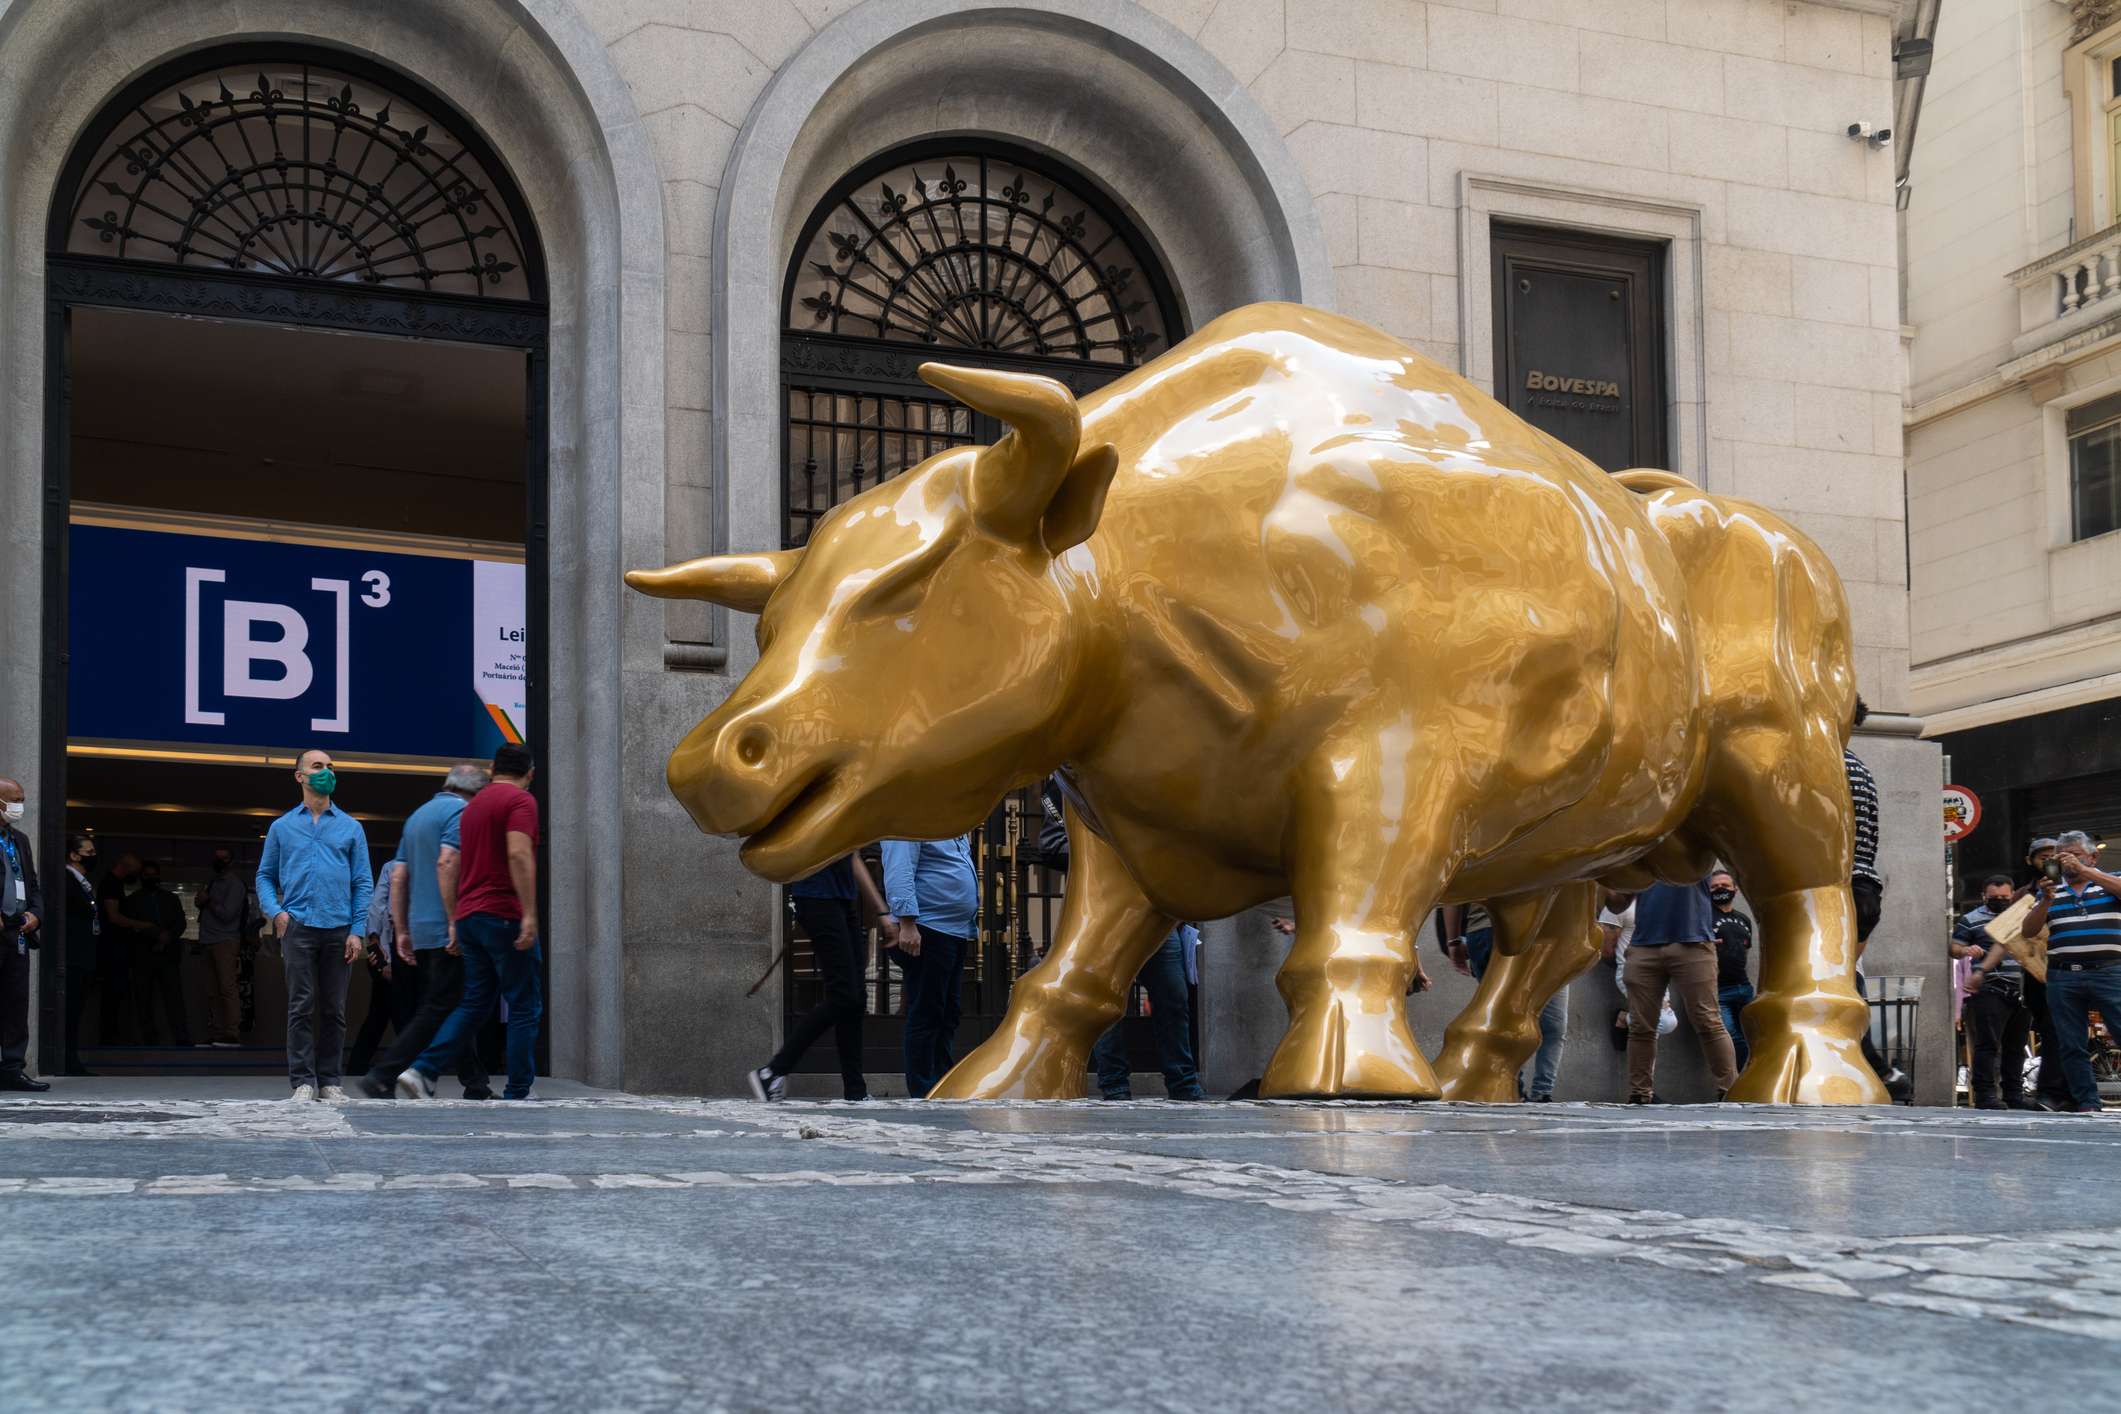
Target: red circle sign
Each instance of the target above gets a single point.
(1962, 811)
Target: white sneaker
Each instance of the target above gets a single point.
(766, 1086)
(304, 1095)
(414, 1086)
(331, 1095)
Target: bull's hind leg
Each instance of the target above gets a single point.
(1544, 942)
(1367, 860)
(1777, 808)
(1058, 1009)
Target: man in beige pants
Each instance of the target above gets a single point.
(223, 904)
(1674, 947)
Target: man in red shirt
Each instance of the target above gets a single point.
(492, 900)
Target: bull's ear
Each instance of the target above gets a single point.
(743, 582)
(1074, 510)
(1016, 480)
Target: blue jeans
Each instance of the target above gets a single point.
(2070, 997)
(1171, 1014)
(492, 963)
(1733, 1000)
(934, 1000)
(1553, 1018)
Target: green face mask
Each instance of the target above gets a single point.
(323, 782)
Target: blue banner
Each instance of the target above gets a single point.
(193, 638)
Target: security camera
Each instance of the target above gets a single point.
(1876, 137)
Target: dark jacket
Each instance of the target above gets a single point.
(160, 907)
(11, 924)
(82, 921)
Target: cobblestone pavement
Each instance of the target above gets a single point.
(644, 1253)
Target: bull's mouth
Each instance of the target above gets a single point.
(779, 844)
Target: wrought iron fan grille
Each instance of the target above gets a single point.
(295, 169)
(979, 251)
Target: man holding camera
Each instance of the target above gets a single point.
(2080, 906)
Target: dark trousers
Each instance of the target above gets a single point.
(935, 1000)
(155, 975)
(1732, 1000)
(78, 981)
(1868, 895)
(493, 966)
(2071, 998)
(315, 960)
(1163, 976)
(1997, 1025)
(834, 926)
(2052, 1088)
(14, 1005)
(437, 985)
(391, 1002)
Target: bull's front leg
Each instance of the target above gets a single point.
(1543, 943)
(1058, 1009)
(1367, 861)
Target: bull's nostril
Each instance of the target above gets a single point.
(753, 743)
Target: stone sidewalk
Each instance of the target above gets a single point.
(636, 1253)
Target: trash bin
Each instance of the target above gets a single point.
(1893, 1002)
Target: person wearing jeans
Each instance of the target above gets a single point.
(1734, 941)
(2082, 916)
(1469, 954)
(932, 893)
(313, 883)
(1171, 1016)
(493, 900)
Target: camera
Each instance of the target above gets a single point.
(2053, 869)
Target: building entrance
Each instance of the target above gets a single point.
(295, 498)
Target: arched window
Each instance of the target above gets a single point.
(977, 253)
(316, 171)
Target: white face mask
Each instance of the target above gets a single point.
(12, 810)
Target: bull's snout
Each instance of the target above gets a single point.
(730, 774)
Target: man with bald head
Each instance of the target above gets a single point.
(314, 882)
(21, 917)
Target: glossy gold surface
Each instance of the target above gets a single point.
(1296, 611)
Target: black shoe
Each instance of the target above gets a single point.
(1653, 1098)
(766, 1087)
(16, 1080)
(1122, 1095)
(1897, 1084)
(2020, 1102)
(482, 1093)
(1990, 1103)
(376, 1089)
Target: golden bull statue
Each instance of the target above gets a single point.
(1294, 610)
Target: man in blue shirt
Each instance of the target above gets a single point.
(2083, 922)
(314, 884)
(1674, 948)
(428, 850)
(932, 893)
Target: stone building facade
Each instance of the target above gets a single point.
(1359, 155)
(2011, 265)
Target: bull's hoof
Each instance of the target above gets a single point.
(1334, 1050)
(1818, 1061)
(1480, 1066)
(1030, 1061)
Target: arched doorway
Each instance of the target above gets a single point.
(976, 253)
(295, 444)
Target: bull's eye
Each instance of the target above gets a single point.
(899, 590)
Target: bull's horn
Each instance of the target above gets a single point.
(743, 582)
(1016, 479)
(1648, 481)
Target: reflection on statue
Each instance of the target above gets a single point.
(1296, 611)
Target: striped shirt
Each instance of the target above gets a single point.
(1863, 793)
(2083, 925)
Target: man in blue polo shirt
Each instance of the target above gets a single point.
(1674, 949)
(428, 850)
(314, 882)
(2083, 922)
(933, 891)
